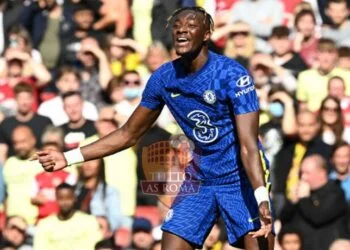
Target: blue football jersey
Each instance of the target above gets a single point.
(204, 105)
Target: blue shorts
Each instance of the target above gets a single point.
(192, 217)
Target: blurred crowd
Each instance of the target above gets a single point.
(72, 71)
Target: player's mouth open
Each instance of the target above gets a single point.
(182, 40)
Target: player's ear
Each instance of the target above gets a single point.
(207, 35)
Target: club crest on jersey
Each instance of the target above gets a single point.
(209, 96)
(243, 81)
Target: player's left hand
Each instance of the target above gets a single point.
(265, 220)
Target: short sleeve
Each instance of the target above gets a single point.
(241, 92)
(151, 97)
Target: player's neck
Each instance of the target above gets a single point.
(195, 61)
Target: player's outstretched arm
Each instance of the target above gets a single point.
(125, 137)
(248, 129)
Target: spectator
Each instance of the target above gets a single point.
(44, 20)
(69, 229)
(313, 212)
(115, 90)
(332, 126)
(142, 17)
(142, 234)
(340, 244)
(124, 54)
(266, 73)
(17, 66)
(53, 135)
(283, 54)
(336, 89)
(105, 228)
(156, 55)
(344, 58)
(24, 116)
(120, 168)
(132, 90)
(14, 234)
(290, 239)
(240, 41)
(19, 37)
(305, 40)
(83, 18)
(114, 12)
(9, 12)
(19, 173)
(263, 15)
(44, 186)
(282, 123)
(312, 83)
(77, 128)
(341, 168)
(95, 73)
(339, 29)
(68, 80)
(95, 196)
(288, 159)
(106, 245)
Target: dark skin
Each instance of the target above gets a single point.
(191, 27)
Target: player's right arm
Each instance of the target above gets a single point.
(125, 137)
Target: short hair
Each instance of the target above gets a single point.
(329, 2)
(71, 93)
(344, 51)
(52, 130)
(108, 243)
(326, 44)
(65, 185)
(208, 20)
(22, 32)
(68, 70)
(23, 87)
(302, 13)
(289, 230)
(80, 7)
(280, 31)
(338, 146)
(336, 78)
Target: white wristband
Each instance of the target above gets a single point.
(73, 156)
(261, 194)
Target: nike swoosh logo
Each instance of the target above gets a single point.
(250, 220)
(173, 95)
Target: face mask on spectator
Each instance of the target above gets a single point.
(132, 93)
(276, 109)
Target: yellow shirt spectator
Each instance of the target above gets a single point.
(80, 232)
(19, 177)
(312, 86)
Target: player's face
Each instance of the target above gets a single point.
(189, 32)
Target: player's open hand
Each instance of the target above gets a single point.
(50, 160)
(265, 220)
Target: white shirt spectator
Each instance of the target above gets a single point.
(53, 109)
